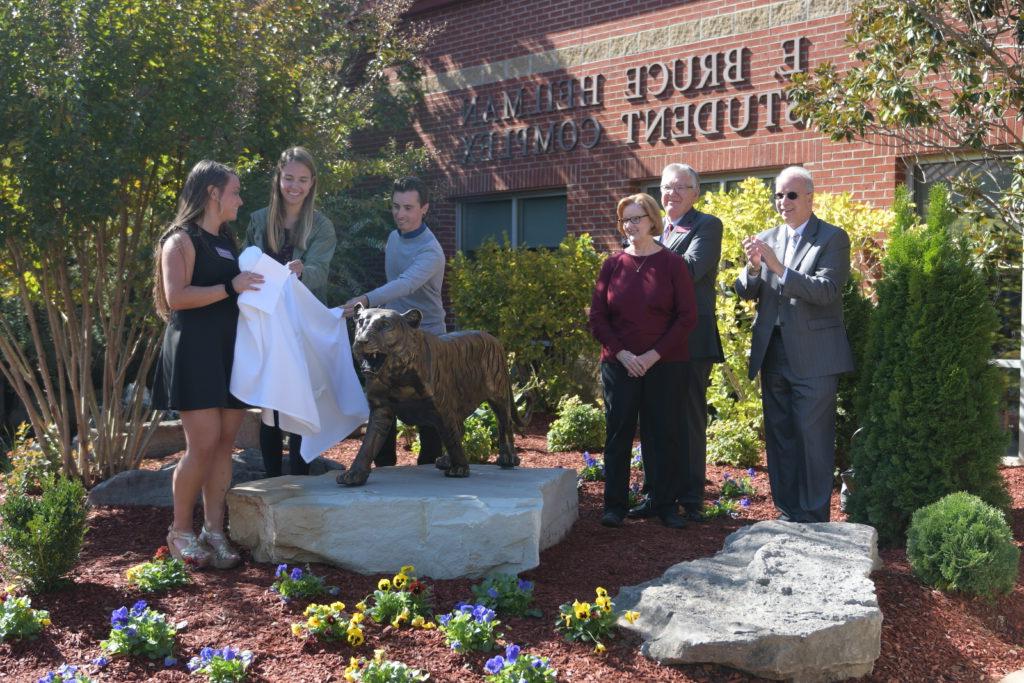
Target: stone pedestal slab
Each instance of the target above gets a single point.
(495, 520)
(782, 601)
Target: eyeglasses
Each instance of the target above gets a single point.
(675, 188)
(633, 220)
(788, 195)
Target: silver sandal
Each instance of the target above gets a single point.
(223, 555)
(184, 546)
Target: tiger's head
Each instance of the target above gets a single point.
(386, 341)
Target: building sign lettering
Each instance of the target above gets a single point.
(512, 135)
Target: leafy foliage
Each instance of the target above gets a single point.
(221, 665)
(161, 573)
(929, 401)
(402, 600)
(106, 105)
(590, 623)
(380, 670)
(298, 584)
(41, 536)
(17, 618)
(506, 594)
(578, 427)
(516, 666)
(139, 631)
(330, 622)
(940, 76)
(961, 543)
(737, 427)
(534, 301)
(470, 628)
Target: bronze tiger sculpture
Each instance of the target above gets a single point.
(425, 379)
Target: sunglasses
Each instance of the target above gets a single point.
(788, 195)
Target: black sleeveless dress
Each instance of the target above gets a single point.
(194, 370)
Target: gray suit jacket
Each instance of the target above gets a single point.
(810, 305)
(701, 248)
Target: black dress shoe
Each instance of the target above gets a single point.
(694, 514)
(612, 519)
(642, 511)
(673, 520)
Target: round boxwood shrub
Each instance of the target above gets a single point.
(578, 427)
(964, 544)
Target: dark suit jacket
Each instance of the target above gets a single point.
(701, 248)
(810, 305)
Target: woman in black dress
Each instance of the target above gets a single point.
(196, 284)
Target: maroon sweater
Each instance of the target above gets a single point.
(653, 308)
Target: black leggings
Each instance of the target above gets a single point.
(271, 442)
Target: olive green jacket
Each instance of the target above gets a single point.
(316, 257)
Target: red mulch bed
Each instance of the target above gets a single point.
(926, 635)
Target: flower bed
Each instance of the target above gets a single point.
(926, 635)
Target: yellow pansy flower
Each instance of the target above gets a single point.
(310, 609)
(582, 609)
(45, 621)
(599, 648)
(337, 606)
(361, 606)
(417, 621)
(314, 622)
(400, 581)
(355, 638)
(297, 630)
(604, 602)
(357, 618)
(631, 616)
(427, 625)
(601, 593)
(384, 585)
(407, 569)
(567, 618)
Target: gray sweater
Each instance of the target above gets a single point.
(415, 271)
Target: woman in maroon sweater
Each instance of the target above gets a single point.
(642, 311)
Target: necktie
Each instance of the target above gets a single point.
(791, 245)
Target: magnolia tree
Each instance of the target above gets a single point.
(104, 106)
(929, 77)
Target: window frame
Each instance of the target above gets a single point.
(515, 198)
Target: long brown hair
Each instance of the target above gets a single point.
(275, 212)
(192, 203)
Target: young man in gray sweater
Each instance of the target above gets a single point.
(414, 265)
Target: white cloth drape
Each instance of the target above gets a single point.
(293, 355)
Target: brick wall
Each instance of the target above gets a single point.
(487, 47)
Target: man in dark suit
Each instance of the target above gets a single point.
(697, 237)
(797, 272)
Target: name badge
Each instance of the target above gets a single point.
(225, 253)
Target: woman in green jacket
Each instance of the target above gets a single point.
(294, 233)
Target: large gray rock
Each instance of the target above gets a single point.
(494, 520)
(780, 600)
(153, 487)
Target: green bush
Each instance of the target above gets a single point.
(929, 401)
(737, 422)
(960, 543)
(479, 435)
(41, 536)
(535, 302)
(578, 427)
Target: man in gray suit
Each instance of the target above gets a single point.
(697, 237)
(797, 272)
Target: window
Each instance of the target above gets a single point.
(719, 182)
(993, 177)
(534, 220)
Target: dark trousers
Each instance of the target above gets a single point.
(695, 413)
(271, 443)
(800, 436)
(431, 447)
(654, 401)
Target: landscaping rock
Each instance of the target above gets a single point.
(781, 600)
(495, 520)
(153, 487)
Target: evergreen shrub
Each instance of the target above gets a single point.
(929, 399)
(535, 302)
(41, 536)
(736, 428)
(960, 543)
(578, 427)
